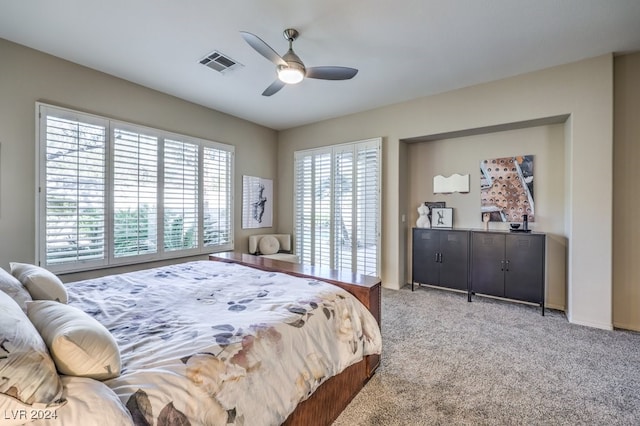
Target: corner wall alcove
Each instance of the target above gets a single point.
(461, 152)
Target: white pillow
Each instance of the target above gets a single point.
(89, 403)
(79, 344)
(42, 284)
(27, 373)
(14, 288)
(269, 245)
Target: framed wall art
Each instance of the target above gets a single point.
(432, 204)
(257, 202)
(506, 188)
(442, 217)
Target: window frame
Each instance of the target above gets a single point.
(44, 110)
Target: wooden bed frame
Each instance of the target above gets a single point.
(333, 396)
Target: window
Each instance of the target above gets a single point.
(113, 193)
(337, 206)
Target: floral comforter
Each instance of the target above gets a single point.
(218, 343)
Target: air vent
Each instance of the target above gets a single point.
(219, 62)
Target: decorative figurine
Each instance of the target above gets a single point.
(423, 218)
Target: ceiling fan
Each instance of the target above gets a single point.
(290, 68)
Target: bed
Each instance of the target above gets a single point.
(205, 342)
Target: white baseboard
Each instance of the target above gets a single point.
(593, 324)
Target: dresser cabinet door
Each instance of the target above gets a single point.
(487, 263)
(426, 246)
(454, 266)
(524, 279)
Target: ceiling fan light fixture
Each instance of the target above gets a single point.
(290, 75)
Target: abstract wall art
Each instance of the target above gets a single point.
(257, 202)
(506, 188)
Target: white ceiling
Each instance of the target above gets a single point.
(404, 49)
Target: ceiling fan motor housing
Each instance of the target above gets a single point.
(293, 61)
(294, 72)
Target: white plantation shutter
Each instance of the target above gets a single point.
(72, 191)
(337, 206)
(128, 195)
(321, 224)
(180, 195)
(344, 208)
(304, 207)
(217, 206)
(367, 206)
(135, 193)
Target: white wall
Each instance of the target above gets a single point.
(582, 90)
(27, 76)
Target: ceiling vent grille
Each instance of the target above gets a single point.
(220, 62)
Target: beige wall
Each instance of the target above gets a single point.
(27, 76)
(626, 177)
(582, 90)
(463, 155)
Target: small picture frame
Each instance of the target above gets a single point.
(432, 204)
(442, 217)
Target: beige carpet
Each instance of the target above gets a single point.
(449, 362)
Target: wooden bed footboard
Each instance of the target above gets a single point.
(328, 401)
(331, 398)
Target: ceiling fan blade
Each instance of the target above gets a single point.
(331, 73)
(262, 48)
(273, 88)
